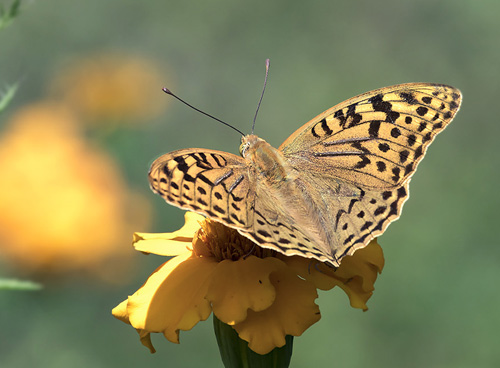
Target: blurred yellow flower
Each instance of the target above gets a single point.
(63, 203)
(264, 296)
(112, 88)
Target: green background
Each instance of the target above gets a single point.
(436, 302)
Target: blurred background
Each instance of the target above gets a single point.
(89, 117)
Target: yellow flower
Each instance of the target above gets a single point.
(112, 88)
(63, 202)
(263, 296)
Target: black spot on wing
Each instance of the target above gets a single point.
(411, 140)
(264, 233)
(403, 156)
(421, 110)
(339, 114)
(374, 129)
(395, 132)
(326, 128)
(379, 104)
(408, 97)
(366, 225)
(181, 164)
(202, 177)
(363, 163)
(384, 147)
(219, 209)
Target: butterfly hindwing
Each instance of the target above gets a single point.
(287, 225)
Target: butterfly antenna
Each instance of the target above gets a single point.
(169, 92)
(261, 95)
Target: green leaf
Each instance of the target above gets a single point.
(7, 96)
(11, 284)
(7, 14)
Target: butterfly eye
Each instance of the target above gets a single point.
(243, 148)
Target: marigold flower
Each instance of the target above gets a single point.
(263, 295)
(112, 88)
(63, 203)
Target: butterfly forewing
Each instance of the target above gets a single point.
(375, 139)
(209, 182)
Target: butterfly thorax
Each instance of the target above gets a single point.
(266, 160)
(280, 189)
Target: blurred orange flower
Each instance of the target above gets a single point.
(63, 203)
(112, 88)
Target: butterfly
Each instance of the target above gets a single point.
(330, 188)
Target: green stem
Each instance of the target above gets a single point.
(235, 352)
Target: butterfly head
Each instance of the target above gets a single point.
(249, 143)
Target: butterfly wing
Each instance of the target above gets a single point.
(210, 182)
(376, 139)
(356, 159)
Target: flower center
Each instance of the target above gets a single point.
(216, 240)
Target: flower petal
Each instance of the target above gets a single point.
(292, 312)
(356, 274)
(161, 246)
(367, 262)
(312, 270)
(120, 312)
(242, 285)
(169, 244)
(172, 299)
(191, 225)
(145, 338)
